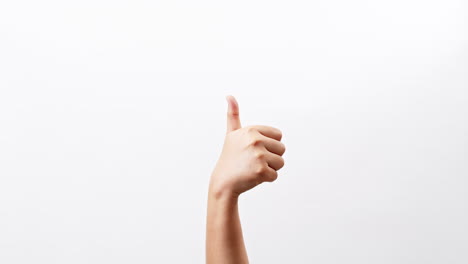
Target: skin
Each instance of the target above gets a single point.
(250, 156)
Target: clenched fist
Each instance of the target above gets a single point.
(251, 155)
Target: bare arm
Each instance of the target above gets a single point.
(224, 240)
(250, 156)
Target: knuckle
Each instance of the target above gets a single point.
(280, 134)
(255, 141)
(250, 129)
(281, 163)
(282, 149)
(259, 155)
(261, 170)
(273, 177)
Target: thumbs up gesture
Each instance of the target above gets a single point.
(251, 155)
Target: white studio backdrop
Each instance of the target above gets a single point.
(112, 117)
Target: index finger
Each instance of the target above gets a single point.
(270, 132)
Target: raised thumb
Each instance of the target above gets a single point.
(233, 120)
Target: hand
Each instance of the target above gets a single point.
(251, 155)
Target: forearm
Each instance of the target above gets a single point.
(224, 240)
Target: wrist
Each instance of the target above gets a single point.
(222, 192)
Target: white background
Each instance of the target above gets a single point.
(112, 117)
